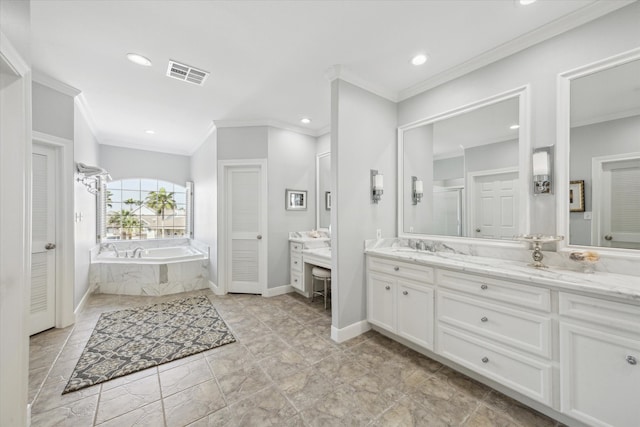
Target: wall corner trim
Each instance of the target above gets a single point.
(215, 288)
(50, 82)
(348, 332)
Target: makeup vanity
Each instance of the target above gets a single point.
(560, 340)
(305, 252)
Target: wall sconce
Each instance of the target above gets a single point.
(377, 185)
(417, 189)
(543, 170)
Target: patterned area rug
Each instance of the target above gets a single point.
(131, 340)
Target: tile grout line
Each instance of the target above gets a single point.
(95, 414)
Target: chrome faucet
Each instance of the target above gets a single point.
(420, 245)
(137, 251)
(112, 246)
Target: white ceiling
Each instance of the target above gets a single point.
(267, 59)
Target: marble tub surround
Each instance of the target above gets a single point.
(613, 285)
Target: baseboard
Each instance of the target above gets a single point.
(29, 415)
(348, 332)
(279, 290)
(215, 288)
(83, 301)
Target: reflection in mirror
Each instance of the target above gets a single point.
(468, 164)
(604, 158)
(323, 190)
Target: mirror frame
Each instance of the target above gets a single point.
(319, 199)
(524, 164)
(563, 146)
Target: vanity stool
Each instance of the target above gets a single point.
(319, 273)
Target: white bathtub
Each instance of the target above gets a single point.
(153, 256)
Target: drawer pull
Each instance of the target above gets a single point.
(295, 262)
(396, 268)
(405, 293)
(483, 287)
(631, 360)
(295, 280)
(485, 360)
(387, 287)
(484, 319)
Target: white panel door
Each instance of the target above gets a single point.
(245, 225)
(619, 202)
(496, 206)
(43, 240)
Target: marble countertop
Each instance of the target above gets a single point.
(309, 239)
(324, 253)
(613, 285)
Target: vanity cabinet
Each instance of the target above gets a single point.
(498, 328)
(599, 361)
(400, 299)
(295, 258)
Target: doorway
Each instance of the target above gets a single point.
(243, 256)
(494, 207)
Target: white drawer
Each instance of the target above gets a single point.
(296, 280)
(607, 313)
(525, 375)
(405, 270)
(521, 330)
(499, 290)
(295, 247)
(296, 263)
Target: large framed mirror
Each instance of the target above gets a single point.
(463, 174)
(323, 190)
(599, 137)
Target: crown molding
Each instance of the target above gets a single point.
(210, 130)
(341, 72)
(10, 56)
(547, 31)
(144, 147)
(54, 84)
(270, 123)
(83, 108)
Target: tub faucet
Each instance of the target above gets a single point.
(112, 246)
(137, 251)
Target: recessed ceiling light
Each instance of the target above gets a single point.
(513, 127)
(419, 59)
(139, 59)
(305, 120)
(150, 132)
(527, 2)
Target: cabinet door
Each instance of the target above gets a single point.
(381, 291)
(415, 313)
(600, 376)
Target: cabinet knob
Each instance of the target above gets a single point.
(484, 319)
(295, 280)
(608, 237)
(483, 287)
(396, 268)
(405, 293)
(485, 360)
(387, 287)
(295, 262)
(477, 230)
(631, 360)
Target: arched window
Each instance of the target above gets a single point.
(142, 209)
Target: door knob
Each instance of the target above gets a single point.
(50, 246)
(477, 230)
(259, 237)
(608, 237)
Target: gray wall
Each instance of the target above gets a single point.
(52, 112)
(204, 174)
(243, 143)
(600, 139)
(538, 66)
(324, 185)
(291, 164)
(133, 163)
(449, 168)
(323, 143)
(363, 135)
(492, 156)
(86, 150)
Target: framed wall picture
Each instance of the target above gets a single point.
(295, 200)
(576, 196)
(327, 200)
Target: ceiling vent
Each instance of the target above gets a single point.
(186, 73)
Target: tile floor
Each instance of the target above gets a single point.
(284, 370)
